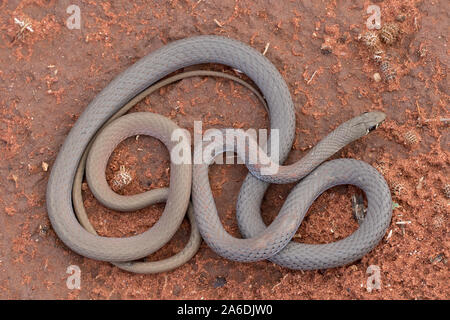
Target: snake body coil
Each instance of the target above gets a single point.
(261, 242)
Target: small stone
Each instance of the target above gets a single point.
(420, 184)
(43, 229)
(400, 18)
(377, 77)
(219, 282)
(45, 166)
(326, 49)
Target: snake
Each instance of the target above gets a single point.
(260, 242)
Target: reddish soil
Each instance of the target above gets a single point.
(49, 76)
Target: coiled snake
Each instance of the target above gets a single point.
(261, 241)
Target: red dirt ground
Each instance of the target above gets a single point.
(49, 76)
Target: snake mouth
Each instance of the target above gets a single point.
(372, 128)
(373, 121)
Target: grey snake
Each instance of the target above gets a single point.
(259, 241)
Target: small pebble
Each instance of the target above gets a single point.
(219, 282)
(400, 18)
(45, 166)
(325, 49)
(377, 77)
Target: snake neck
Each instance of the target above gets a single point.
(328, 146)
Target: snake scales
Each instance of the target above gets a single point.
(99, 129)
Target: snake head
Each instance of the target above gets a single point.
(371, 120)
